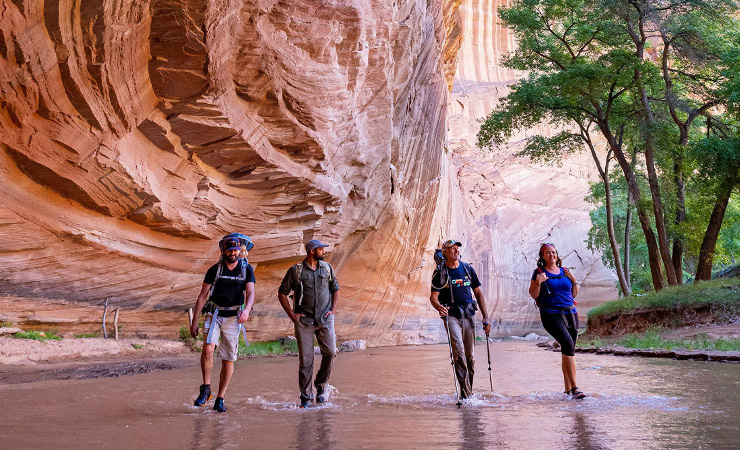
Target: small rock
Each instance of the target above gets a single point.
(531, 337)
(286, 340)
(9, 330)
(351, 346)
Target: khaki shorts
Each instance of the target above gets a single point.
(227, 330)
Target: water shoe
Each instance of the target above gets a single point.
(219, 405)
(205, 395)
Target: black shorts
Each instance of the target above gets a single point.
(564, 328)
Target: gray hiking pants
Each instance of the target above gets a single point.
(462, 337)
(327, 343)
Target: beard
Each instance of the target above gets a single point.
(231, 259)
(318, 258)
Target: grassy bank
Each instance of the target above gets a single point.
(258, 348)
(654, 320)
(722, 295)
(653, 339)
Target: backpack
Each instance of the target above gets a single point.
(298, 286)
(210, 306)
(444, 276)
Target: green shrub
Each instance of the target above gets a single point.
(6, 324)
(87, 335)
(38, 335)
(262, 348)
(137, 346)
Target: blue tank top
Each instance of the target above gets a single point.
(556, 294)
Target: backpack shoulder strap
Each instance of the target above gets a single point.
(219, 269)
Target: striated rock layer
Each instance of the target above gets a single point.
(134, 133)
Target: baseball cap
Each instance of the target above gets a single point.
(232, 244)
(314, 243)
(450, 242)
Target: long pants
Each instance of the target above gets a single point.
(462, 337)
(327, 343)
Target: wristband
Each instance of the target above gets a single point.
(485, 322)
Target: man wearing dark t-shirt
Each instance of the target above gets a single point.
(232, 283)
(453, 298)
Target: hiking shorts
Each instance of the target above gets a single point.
(227, 330)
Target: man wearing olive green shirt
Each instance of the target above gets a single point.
(315, 294)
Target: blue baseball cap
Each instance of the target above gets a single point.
(232, 244)
(314, 243)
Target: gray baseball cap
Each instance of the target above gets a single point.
(314, 243)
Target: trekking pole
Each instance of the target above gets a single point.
(452, 360)
(488, 349)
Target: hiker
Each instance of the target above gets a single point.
(453, 299)
(229, 288)
(315, 294)
(554, 289)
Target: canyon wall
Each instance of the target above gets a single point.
(134, 133)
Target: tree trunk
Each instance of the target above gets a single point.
(658, 213)
(678, 176)
(629, 175)
(604, 173)
(708, 244)
(626, 291)
(628, 240)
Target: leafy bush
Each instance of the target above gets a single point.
(38, 335)
(262, 348)
(87, 335)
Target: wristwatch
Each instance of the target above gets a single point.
(485, 322)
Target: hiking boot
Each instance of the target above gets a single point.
(306, 402)
(321, 396)
(218, 405)
(205, 395)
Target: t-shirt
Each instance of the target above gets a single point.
(229, 292)
(462, 290)
(556, 293)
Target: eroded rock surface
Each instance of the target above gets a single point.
(134, 133)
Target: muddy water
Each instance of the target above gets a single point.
(392, 398)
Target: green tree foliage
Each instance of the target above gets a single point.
(656, 84)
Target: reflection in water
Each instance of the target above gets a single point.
(314, 431)
(208, 431)
(584, 437)
(473, 431)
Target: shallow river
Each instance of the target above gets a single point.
(399, 397)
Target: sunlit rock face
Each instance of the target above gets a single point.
(134, 133)
(510, 205)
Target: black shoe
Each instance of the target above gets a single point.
(306, 402)
(219, 405)
(205, 395)
(321, 396)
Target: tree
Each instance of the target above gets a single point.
(581, 73)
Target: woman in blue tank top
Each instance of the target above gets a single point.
(554, 290)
